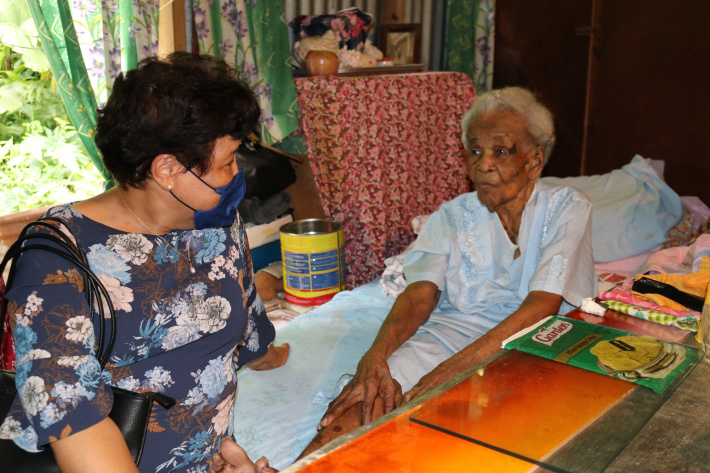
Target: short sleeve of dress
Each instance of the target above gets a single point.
(429, 258)
(566, 265)
(58, 378)
(260, 332)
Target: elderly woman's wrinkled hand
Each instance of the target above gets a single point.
(371, 379)
(442, 373)
(233, 459)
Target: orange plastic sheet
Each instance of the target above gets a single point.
(401, 445)
(523, 405)
(519, 407)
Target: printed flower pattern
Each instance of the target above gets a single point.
(133, 248)
(33, 396)
(177, 334)
(213, 313)
(79, 329)
(383, 150)
(121, 296)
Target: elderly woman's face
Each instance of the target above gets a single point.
(503, 162)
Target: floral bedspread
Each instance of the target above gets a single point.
(383, 150)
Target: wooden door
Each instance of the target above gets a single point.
(543, 45)
(651, 90)
(644, 80)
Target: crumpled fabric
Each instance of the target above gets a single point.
(695, 283)
(350, 27)
(623, 293)
(259, 212)
(325, 399)
(633, 208)
(392, 281)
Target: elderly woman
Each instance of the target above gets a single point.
(486, 264)
(172, 252)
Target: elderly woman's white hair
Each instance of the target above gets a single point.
(522, 102)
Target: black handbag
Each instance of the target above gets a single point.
(130, 410)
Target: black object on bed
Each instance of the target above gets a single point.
(650, 286)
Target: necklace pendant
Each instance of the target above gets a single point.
(192, 270)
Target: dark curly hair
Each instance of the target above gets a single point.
(178, 106)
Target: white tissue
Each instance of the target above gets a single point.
(324, 399)
(591, 307)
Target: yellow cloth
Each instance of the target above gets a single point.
(691, 283)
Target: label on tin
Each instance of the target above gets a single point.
(313, 267)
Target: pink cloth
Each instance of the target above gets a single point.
(680, 259)
(383, 150)
(624, 294)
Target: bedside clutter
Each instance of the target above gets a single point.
(264, 242)
(268, 285)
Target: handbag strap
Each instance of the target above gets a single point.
(94, 290)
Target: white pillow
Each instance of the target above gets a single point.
(633, 209)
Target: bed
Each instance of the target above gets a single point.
(276, 412)
(639, 223)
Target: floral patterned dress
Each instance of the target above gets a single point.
(178, 333)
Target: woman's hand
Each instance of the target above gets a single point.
(273, 358)
(371, 379)
(537, 304)
(439, 375)
(233, 459)
(410, 310)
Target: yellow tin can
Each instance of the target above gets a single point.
(313, 260)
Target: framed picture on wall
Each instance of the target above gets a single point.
(401, 42)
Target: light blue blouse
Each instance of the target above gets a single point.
(464, 250)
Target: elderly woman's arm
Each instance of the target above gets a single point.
(537, 304)
(411, 309)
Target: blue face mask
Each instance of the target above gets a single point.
(225, 212)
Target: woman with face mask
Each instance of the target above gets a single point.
(170, 248)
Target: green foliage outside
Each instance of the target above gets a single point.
(42, 160)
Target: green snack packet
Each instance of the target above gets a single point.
(644, 360)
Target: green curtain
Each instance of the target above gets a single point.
(253, 37)
(470, 40)
(269, 35)
(59, 40)
(89, 42)
(87, 45)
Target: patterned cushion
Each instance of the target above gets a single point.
(383, 150)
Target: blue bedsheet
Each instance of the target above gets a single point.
(276, 412)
